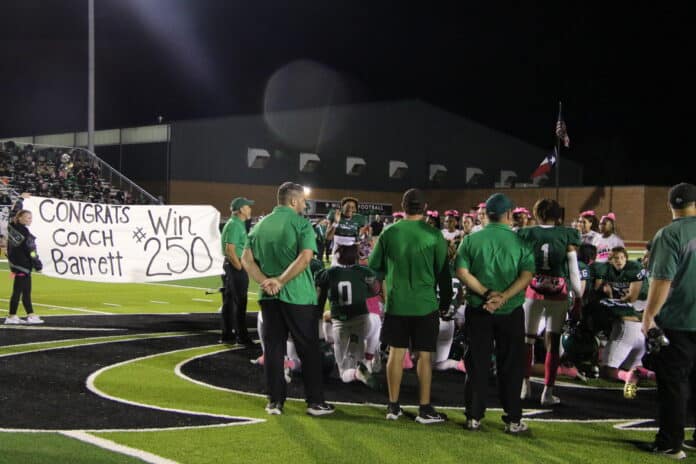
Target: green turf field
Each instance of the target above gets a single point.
(53, 297)
(355, 434)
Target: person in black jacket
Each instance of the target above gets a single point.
(22, 257)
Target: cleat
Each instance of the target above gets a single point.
(630, 391)
(516, 427)
(34, 319)
(668, 453)
(274, 408)
(320, 409)
(14, 320)
(547, 398)
(428, 415)
(473, 425)
(394, 411)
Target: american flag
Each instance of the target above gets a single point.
(562, 131)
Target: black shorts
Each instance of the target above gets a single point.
(419, 333)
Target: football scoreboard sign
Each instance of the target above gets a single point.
(125, 243)
(322, 207)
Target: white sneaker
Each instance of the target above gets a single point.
(14, 320)
(34, 319)
(473, 424)
(547, 398)
(526, 392)
(516, 427)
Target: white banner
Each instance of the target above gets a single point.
(125, 243)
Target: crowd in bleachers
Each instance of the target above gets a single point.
(70, 174)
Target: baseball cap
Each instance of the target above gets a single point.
(498, 203)
(681, 195)
(413, 198)
(238, 202)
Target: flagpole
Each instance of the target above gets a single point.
(558, 152)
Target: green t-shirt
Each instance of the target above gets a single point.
(496, 256)
(550, 246)
(347, 288)
(347, 230)
(276, 241)
(673, 257)
(413, 257)
(235, 234)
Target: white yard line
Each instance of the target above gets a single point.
(159, 302)
(116, 448)
(112, 304)
(201, 300)
(83, 310)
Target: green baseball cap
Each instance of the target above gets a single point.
(238, 202)
(498, 203)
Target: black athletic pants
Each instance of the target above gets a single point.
(302, 322)
(674, 365)
(485, 333)
(234, 303)
(21, 287)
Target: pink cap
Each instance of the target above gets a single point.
(452, 212)
(399, 214)
(611, 216)
(589, 212)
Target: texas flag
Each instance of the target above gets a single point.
(545, 165)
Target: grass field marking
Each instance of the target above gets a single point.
(58, 329)
(539, 380)
(159, 302)
(115, 447)
(112, 304)
(90, 341)
(203, 300)
(90, 384)
(64, 307)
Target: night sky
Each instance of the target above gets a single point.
(624, 75)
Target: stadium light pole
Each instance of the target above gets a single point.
(90, 79)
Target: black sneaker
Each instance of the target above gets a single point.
(320, 409)
(671, 453)
(428, 415)
(689, 444)
(274, 408)
(394, 411)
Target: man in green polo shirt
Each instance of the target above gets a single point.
(413, 256)
(672, 306)
(496, 267)
(235, 281)
(278, 252)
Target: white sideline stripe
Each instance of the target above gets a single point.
(115, 447)
(202, 299)
(156, 284)
(93, 388)
(64, 307)
(79, 345)
(159, 302)
(49, 328)
(112, 304)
